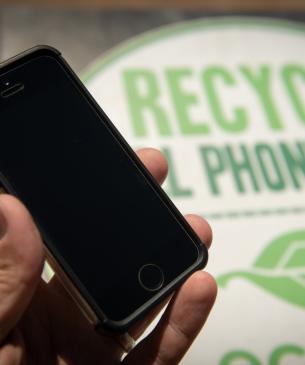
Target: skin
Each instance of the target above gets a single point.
(40, 324)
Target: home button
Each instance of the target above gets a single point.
(151, 277)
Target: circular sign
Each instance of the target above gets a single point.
(224, 98)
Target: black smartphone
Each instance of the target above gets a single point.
(114, 238)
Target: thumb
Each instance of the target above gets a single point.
(21, 261)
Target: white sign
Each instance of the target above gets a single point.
(224, 98)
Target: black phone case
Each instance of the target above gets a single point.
(122, 325)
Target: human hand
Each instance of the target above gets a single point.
(41, 325)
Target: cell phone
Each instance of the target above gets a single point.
(112, 235)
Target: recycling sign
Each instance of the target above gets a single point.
(224, 99)
(279, 269)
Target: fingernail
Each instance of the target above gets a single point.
(3, 223)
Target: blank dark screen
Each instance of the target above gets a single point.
(92, 202)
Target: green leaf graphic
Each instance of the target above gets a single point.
(280, 248)
(279, 269)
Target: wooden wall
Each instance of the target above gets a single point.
(216, 5)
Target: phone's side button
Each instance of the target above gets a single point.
(151, 277)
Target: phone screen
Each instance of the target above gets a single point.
(101, 216)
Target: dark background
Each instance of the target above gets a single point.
(83, 33)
